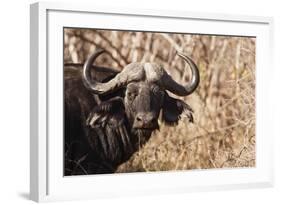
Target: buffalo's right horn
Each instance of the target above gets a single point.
(96, 87)
(131, 72)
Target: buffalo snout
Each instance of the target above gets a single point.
(146, 121)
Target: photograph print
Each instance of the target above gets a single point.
(141, 101)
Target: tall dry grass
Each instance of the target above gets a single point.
(223, 132)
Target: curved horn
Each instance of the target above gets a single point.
(96, 87)
(130, 73)
(183, 90)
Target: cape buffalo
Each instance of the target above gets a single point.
(109, 114)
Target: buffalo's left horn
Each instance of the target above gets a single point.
(183, 90)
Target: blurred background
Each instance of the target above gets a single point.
(223, 132)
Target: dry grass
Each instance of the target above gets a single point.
(223, 134)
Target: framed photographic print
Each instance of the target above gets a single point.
(122, 99)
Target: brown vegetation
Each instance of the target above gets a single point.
(223, 132)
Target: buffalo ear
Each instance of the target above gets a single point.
(174, 109)
(103, 113)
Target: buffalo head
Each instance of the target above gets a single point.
(146, 86)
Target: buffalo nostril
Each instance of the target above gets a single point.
(145, 120)
(138, 118)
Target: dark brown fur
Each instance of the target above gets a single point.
(103, 131)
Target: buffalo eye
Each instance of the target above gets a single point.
(157, 92)
(155, 89)
(131, 95)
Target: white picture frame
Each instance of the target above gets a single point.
(47, 182)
